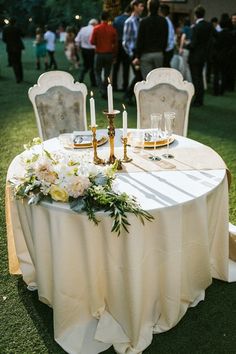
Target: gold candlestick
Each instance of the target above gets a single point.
(96, 159)
(125, 157)
(111, 134)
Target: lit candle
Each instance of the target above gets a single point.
(92, 110)
(124, 116)
(110, 96)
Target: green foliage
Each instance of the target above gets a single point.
(116, 205)
(52, 12)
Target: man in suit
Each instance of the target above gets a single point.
(169, 50)
(152, 40)
(201, 39)
(122, 56)
(12, 37)
(130, 34)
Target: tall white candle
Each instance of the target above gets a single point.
(92, 111)
(110, 96)
(124, 116)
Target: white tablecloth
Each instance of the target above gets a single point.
(108, 290)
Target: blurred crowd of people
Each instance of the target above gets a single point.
(203, 51)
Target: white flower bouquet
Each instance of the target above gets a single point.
(74, 179)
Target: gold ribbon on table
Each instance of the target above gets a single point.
(232, 247)
(232, 242)
(14, 267)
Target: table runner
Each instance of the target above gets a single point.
(187, 158)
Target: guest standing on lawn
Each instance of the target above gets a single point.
(50, 39)
(14, 45)
(152, 40)
(122, 56)
(41, 51)
(82, 41)
(70, 48)
(130, 35)
(169, 52)
(104, 37)
(202, 33)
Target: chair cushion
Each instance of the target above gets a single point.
(163, 98)
(65, 109)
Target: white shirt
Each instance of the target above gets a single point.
(218, 28)
(171, 35)
(83, 37)
(50, 39)
(199, 20)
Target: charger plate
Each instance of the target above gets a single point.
(86, 145)
(151, 144)
(102, 140)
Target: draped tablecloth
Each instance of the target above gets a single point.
(107, 290)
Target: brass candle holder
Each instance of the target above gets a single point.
(96, 159)
(111, 134)
(125, 157)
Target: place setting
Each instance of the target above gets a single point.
(81, 140)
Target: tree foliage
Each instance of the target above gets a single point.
(33, 13)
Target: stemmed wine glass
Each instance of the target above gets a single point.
(169, 118)
(156, 119)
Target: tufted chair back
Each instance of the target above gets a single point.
(59, 104)
(164, 90)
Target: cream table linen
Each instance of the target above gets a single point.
(107, 290)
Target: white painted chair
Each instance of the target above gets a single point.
(164, 90)
(59, 104)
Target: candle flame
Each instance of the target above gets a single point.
(91, 93)
(108, 79)
(123, 106)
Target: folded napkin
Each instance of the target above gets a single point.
(82, 137)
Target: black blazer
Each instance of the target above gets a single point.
(202, 34)
(12, 37)
(223, 53)
(152, 35)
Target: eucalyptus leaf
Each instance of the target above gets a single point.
(78, 205)
(100, 180)
(35, 199)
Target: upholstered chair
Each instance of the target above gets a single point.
(59, 104)
(164, 90)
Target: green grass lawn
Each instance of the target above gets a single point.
(26, 325)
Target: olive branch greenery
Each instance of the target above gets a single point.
(102, 197)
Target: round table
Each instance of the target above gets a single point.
(107, 290)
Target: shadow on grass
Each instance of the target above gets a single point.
(218, 120)
(202, 328)
(41, 315)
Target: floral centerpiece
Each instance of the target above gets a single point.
(74, 179)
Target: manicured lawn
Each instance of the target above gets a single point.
(26, 324)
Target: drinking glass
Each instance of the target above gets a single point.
(137, 140)
(156, 119)
(169, 118)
